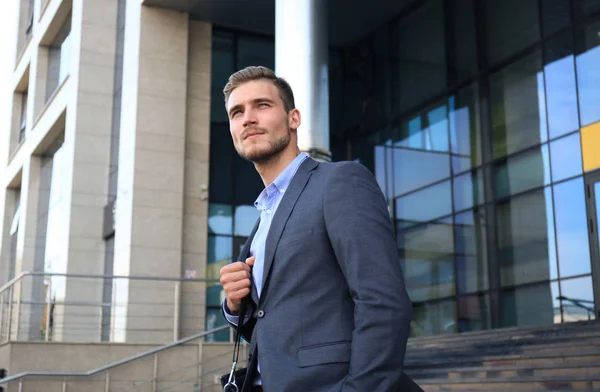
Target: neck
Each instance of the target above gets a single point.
(270, 169)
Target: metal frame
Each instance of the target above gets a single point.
(592, 211)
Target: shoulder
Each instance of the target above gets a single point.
(344, 169)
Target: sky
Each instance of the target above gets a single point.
(7, 50)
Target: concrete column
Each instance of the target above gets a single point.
(150, 191)
(301, 57)
(195, 205)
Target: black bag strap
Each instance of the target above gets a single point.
(236, 347)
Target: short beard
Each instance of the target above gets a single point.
(275, 148)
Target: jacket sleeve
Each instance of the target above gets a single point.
(249, 320)
(361, 234)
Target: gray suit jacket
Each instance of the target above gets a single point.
(333, 314)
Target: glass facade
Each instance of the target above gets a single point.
(481, 124)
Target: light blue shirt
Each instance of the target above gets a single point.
(267, 203)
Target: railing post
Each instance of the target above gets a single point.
(20, 386)
(155, 373)
(18, 315)
(107, 382)
(1, 316)
(64, 384)
(176, 312)
(10, 310)
(48, 309)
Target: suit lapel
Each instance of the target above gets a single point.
(283, 212)
(245, 253)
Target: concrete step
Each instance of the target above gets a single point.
(548, 383)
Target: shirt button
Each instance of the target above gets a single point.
(261, 313)
(283, 190)
(268, 211)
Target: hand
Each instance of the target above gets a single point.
(235, 278)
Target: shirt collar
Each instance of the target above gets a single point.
(281, 183)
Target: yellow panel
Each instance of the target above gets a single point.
(590, 146)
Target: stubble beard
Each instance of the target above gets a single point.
(274, 149)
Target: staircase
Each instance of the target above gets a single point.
(564, 357)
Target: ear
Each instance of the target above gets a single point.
(294, 119)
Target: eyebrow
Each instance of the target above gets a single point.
(255, 101)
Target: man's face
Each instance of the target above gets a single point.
(259, 125)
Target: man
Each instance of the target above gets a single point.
(320, 271)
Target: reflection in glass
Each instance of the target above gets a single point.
(512, 25)
(571, 228)
(244, 220)
(433, 318)
(222, 67)
(427, 254)
(219, 219)
(215, 319)
(215, 295)
(561, 88)
(413, 169)
(566, 157)
(465, 40)
(518, 106)
(525, 237)
(219, 251)
(585, 7)
(473, 313)
(468, 190)
(531, 305)
(521, 172)
(471, 252)
(588, 74)
(465, 135)
(426, 131)
(255, 51)
(425, 205)
(577, 299)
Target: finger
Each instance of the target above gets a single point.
(238, 296)
(250, 261)
(234, 276)
(232, 287)
(233, 267)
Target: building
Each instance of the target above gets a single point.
(479, 119)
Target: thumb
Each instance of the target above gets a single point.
(250, 261)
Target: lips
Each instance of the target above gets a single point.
(251, 134)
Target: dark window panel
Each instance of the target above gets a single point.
(473, 313)
(556, 15)
(518, 106)
(525, 239)
(584, 8)
(561, 85)
(464, 48)
(248, 184)
(222, 66)
(465, 134)
(433, 318)
(221, 164)
(214, 319)
(531, 305)
(571, 228)
(255, 51)
(512, 25)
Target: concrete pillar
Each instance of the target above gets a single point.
(150, 191)
(195, 204)
(301, 57)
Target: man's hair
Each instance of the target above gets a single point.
(252, 73)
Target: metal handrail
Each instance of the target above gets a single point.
(90, 276)
(114, 364)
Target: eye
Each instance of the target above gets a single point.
(263, 105)
(235, 113)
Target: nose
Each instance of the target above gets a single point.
(249, 118)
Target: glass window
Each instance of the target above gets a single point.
(248, 184)
(255, 51)
(531, 305)
(577, 298)
(588, 73)
(465, 135)
(221, 164)
(244, 220)
(471, 252)
(464, 51)
(512, 25)
(473, 313)
(571, 228)
(420, 53)
(518, 106)
(468, 190)
(427, 130)
(561, 88)
(556, 15)
(433, 318)
(566, 157)
(427, 255)
(219, 219)
(215, 295)
(525, 237)
(521, 172)
(222, 67)
(585, 7)
(414, 169)
(425, 205)
(215, 319)
(219, 251)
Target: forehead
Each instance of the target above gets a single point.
(249, 91)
